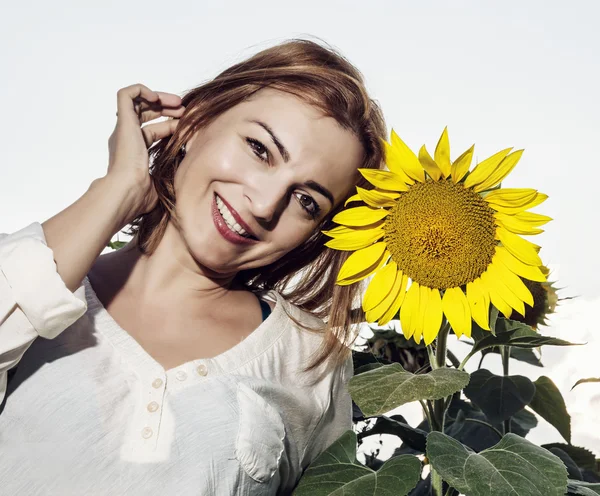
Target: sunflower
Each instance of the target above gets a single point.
(454, 233)
(545, 299)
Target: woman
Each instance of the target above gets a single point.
(194, 360)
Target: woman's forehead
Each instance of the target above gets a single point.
(313, 143)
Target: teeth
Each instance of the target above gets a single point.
(229, 219)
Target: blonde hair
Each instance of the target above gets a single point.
(322, 77)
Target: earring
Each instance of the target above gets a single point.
(182, 150)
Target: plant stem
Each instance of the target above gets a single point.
(453, 359)
(427, 412)
(477, 421)
(436, 483)
(431, 356)
(505, 351)
(465, 360)
(439, 410)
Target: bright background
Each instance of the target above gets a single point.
(505, 73)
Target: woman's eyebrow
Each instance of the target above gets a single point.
(282, 150)
(286, 157)
(321, 189)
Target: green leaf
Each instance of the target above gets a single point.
(513, 333)
(382, 389)
(116, 245)
(582, 381)
(367, 367)
(513, 467)
(499, 397)
(411, 436)
(526, 355)
(580, 488)
(337, 472)
(522, 422)
(573, 471)
(549, 404)
(583, 457)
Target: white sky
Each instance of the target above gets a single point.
(499, 74)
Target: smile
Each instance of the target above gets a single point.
(229, 219)
(228, 223)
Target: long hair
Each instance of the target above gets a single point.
(305, 276)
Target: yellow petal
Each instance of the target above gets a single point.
(510, 197)
(344, 231)
(514, 225)
(484, 169)
(519, 247)
(395, 306)
(353, 198)
(539, 198)
(501, 298)
(360, 216)
(393, 159)
(356, 240)
(408, 311)
(433, 315)
(359, 264)
(533, 219)
(457, 311)
(410, 162)
(461, 165)
(376, 312)
(514, 210)
(442, 153)
(478, 299)
(429, 164)
(375, 198)
(510, 280)
(380, 286)
(384, 179)
(503, 170)
(531, 272)
(372, 270)
(418, 322)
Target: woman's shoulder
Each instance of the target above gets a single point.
(296, 315)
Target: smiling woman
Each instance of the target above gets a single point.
(211, 354)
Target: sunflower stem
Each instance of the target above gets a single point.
(505, 351)
(431, 355)
(426, 411)
(439, 410)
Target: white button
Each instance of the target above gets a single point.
(146, 432)
(152, 406)
(181, 375)
(157, 383)
(201, 369)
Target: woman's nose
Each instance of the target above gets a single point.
(267, 203)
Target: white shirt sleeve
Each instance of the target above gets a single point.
(34, 300)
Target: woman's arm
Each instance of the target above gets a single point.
(79, 233)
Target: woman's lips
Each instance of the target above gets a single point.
(237, 218)
(224, 230)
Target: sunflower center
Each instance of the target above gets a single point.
(441, 234)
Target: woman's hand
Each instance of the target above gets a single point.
(128, 144)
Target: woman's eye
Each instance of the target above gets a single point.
(308, 204)
(259, 149)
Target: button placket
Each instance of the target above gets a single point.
(151, 415)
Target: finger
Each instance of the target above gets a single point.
(165, 100)
(148, 114)
(158, 130)
(169, 99)
(126, 97)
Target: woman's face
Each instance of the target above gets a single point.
(256, 182)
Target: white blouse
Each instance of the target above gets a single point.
(88, 411)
